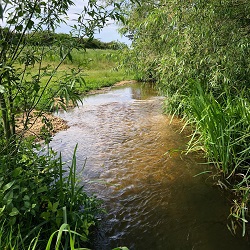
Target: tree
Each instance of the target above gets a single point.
(24, 77)
(175, 41)
(36, 195)
(197, 52)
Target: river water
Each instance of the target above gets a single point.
(134, 162)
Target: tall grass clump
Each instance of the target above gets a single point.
(222, 131)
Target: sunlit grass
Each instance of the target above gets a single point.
(97, 67)
(80, 72)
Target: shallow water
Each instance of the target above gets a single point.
(134, 163)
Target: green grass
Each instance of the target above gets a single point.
(80, 72)
(99, 68)
(222, 131)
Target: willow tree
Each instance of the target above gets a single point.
(175, 41)
(197, 52)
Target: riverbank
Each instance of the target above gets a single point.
(36, 121)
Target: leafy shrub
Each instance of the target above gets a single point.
(39, 194)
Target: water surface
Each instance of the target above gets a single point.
(136, 166)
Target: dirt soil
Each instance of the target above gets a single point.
(36, 124)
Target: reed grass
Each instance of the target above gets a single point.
(222, 131)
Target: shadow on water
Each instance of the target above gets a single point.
(151, 197)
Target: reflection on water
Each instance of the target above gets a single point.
(153, 200)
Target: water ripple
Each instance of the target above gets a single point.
(152, 199)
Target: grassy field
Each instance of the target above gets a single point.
(99, 68)
(82, 71)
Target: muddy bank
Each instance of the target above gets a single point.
(38, 123)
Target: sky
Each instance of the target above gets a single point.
(107, 34)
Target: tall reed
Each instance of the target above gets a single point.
(223, 132)
(223, 128)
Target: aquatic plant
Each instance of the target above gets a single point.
(222, 131)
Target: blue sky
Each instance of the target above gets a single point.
(108, 33)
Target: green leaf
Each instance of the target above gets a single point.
(27, 204)
(26, 198)
(30, 24)
(2, 89)
(2, 209)
(14, 212)
(13, 220)
(8, 186)
(55, 206)
(19, 27)
(23, 189)
(49, 205)
(17, 171)
(42, 189)
(45, 215)
(12, 21)
(8, 197)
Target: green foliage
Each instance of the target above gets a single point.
(39, 194)
(64, 230)
(26, 41)
(87, 70)
(198, 54)
(48, 38)
(176, 41)
(223, 128)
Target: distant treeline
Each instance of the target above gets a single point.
(49, 38)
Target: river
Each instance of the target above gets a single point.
(135, 162)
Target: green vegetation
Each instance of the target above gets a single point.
(85, 70)
(99, 68)
(37, 198)
(49, 38)
(42, 204)
(197, 52)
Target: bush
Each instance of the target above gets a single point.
(40, 193)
